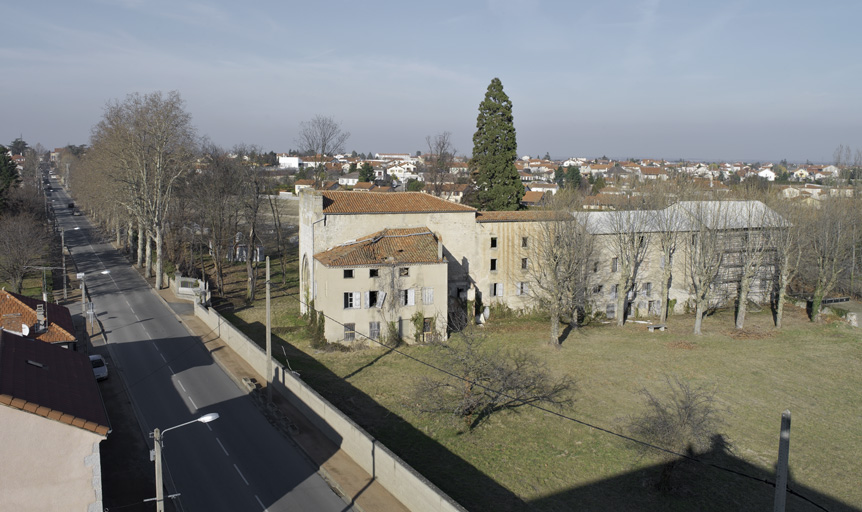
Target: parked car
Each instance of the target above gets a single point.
(71, 205)
(77, 212)
(100, 367)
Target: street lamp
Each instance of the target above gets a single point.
(157, 445)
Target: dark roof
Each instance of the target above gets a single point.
(401, 202)
(521, 216)
(387, 247)
(61, 328)
(50, 381)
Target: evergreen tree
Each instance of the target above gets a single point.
(8, 175)
(498, 184)
(573, 177)
(366, 172)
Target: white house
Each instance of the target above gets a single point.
(286, 161)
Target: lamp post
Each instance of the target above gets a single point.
(157, 445)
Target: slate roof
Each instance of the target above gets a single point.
(336, 203)
(17, 309)
(52, 382)
(387, 247)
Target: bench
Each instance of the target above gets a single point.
(654, 327)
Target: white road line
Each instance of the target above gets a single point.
(240, 474)
(181, 385)
(261, 503)
(222, 447)
(163, 357)
(193, 403)
(172, 371)
(208, 426)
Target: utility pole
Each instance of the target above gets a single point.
(781, 470)
(63, 252)
(268, 337)
(157, 446)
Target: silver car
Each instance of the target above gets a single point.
(100, 368)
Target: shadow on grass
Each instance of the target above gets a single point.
(693, 486)
(453, 475)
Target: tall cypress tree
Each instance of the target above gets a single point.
(8, 175)
(498, 185)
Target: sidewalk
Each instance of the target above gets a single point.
(343, 474)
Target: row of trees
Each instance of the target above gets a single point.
(751, 247)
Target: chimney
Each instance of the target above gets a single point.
(41, 323)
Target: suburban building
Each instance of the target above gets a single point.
(37, 319)
(53, 420)
(487, 256)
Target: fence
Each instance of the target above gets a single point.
(395, 475)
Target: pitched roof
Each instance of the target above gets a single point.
(52, 382)
(533, 196)
(17, 310)
(335, 203)
(390, 247)
(519, 216)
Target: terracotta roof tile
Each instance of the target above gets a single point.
(387, 247)
(17, 309)
(335, 203)
(61, 387)
(519, 216)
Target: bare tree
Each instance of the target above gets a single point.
(252, 199)
(23, 243)
(627, 240)
(750, 246)
(489, 381)
(685, 420)
(786, 240)
(150, 142)
(441, 154)
(320, 136)
(558, 276)
(828, 245)
(704, 252)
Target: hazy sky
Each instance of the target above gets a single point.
(731, 79)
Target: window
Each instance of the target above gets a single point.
(408, 297)
(493, 264)
(615, 289)
(597, 288)
(349, 332)
(610, 311)
(523, 288)
(404, 271)
(373, 272)
(428, 296)
(648, 289)
(497, 289)
(525, 263)
(351, 300)
(615, 264)
(525, 241)
(427, 325)
(493, 242)
(374, 299)
(374, 330)
(348, 273)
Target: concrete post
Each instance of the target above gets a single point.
(157, 445)
(268, 336)
(781, 470)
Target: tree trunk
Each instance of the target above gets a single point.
(742, 306)
(665, 296)
(622, 299)
(141, 243)
(148, 254)
(698, 316)
(160, 264)
(251, 266)
(815, 303)
(555, 328)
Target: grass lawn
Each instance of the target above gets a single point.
(531, 460)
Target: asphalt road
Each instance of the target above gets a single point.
(238, 462)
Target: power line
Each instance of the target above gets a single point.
(564, 416)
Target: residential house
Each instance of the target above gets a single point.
(533, 198)
(286, 161)
(53, 420)
(550, 188)
(36, 319)
(363, 186)
(349, 180)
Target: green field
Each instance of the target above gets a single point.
(531, 460)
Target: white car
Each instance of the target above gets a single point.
(100, 367)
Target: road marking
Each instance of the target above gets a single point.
(261, 503)
(163, 357)
(222, 447)
(240, 474)
(193, 403)
(172, 371)
(181, 385)
(208, 426)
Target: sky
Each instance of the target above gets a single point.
(726, 80)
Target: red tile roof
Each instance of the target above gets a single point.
(18, 309)
(335, 203)
(389, 247)
(52, 382)
(532, 197)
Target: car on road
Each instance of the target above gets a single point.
(100, 367)
(76, 213)
(71, 205)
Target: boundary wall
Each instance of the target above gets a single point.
(402, 481)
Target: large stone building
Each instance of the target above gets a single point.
(368, 262)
